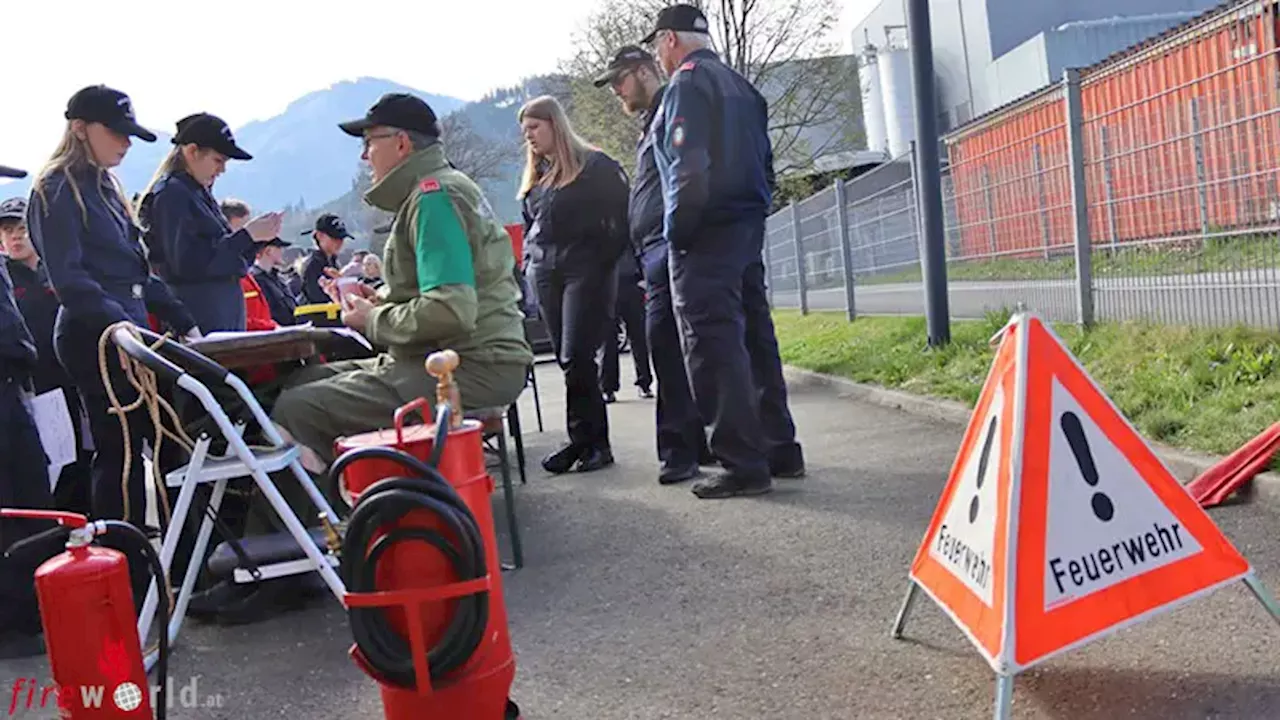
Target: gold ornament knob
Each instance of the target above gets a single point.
(440, 365)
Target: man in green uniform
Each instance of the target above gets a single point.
(449, 284)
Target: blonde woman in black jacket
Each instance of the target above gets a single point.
(574, 201)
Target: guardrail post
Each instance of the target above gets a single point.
(802, 281)
(846, 252)
(1079, 199)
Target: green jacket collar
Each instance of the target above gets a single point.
(390, 192)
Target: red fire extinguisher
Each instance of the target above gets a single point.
(87, 610)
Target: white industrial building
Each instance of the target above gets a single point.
(989, 52)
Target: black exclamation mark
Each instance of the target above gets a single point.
(982, 466)
(1074, 431)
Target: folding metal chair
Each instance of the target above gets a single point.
(171, 362)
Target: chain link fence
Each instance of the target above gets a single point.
(1181, 207)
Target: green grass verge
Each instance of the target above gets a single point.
(1216, 254)
(1200, 389)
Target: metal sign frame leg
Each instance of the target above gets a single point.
(1260, 591)
(907, 602)
(1004, 697)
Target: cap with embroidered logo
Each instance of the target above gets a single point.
(679, 18)
(627, 57)
(209, 131)
(330, 225)
(14, 208)
(109, 107)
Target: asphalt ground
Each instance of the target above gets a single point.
(641, 602)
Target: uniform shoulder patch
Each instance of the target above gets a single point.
(429, 185)
(687, 66)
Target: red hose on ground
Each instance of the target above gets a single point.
(1222, 480)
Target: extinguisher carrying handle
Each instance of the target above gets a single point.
(68, 519)
(444, 415)
(402, 412)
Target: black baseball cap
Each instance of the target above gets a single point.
(679, 18)
(273, 242)
(330, 225)
(627, 57)
(398, 110)
(209, 131)
(6, 171)
(13, 208)
(112, 108)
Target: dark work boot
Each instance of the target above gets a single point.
(597, 459)
(674, 475)
(725, 486)
(562, 460)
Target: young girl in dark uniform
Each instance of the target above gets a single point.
(193, 248)
(81, 223)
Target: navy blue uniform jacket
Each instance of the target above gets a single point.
(39, 306)
(276, 294)
(646, 209)
(194, 250)
(95, 258)
(17, 348)
(312, 271)
(715, 156)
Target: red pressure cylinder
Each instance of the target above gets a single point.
(479, 689)
(91, 634)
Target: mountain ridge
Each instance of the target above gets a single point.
(300, 155)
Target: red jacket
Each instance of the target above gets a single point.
(257, 317)
(257, 311)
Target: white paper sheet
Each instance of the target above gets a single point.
(224, 335)
(57, 434)
(340, 331)
(349, 333)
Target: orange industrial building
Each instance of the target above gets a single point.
(1180, 140)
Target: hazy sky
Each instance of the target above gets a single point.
(228, 57)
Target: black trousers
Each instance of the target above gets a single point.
(681, 438)
(24, 484)
(731, 351)
(766, 370)
(574, 304)
(628, 311)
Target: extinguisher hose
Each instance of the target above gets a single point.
(461, 543)
(128, 534)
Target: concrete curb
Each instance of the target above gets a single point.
(1184, 464)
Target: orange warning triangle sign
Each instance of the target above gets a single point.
(1058, 523)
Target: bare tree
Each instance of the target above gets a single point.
(781, 46)
(481, 158)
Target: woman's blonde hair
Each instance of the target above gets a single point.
(173, 162)
(73, 154)
(569, 155)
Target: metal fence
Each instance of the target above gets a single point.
(1180, 213)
